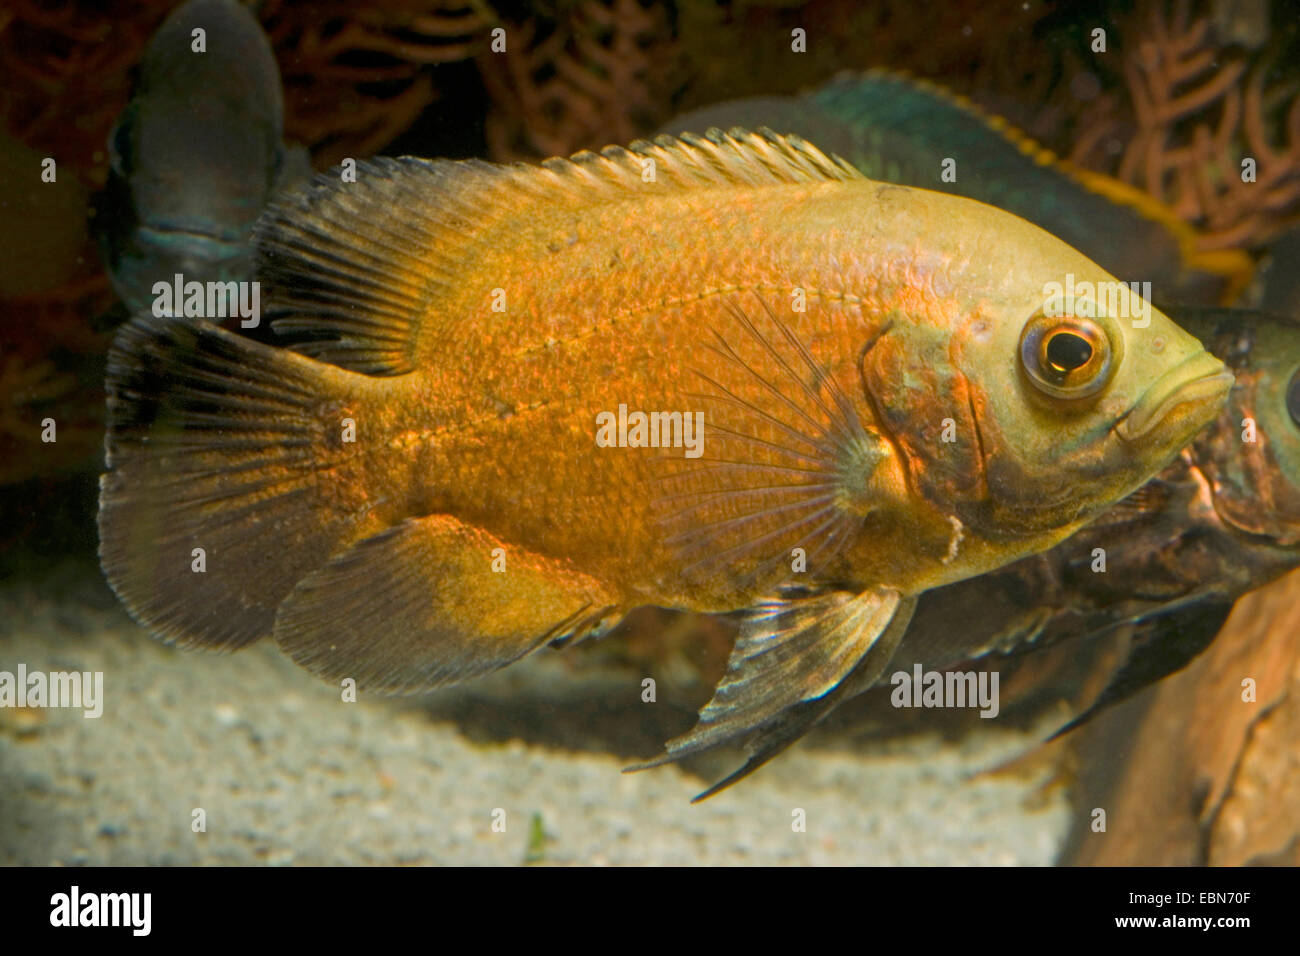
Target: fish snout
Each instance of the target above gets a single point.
(1180, 402)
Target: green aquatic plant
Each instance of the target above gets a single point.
(537, 840)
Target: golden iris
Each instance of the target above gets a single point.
(1066, 356)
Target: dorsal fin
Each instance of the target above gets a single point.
(350, 269)
(690, 161)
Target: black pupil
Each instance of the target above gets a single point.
(1293, 398)
(1067, 351)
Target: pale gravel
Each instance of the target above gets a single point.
(288, 773)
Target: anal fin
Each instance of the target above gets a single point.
(790, 653)
(421, 605)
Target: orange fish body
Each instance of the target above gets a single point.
(612, 311)
(851, 393)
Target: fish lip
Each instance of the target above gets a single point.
(1172, 389)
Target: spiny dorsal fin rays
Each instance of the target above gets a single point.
(345, 267)
(690, 161)
(351, 270)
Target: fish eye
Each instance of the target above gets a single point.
(1293, 398)
(1066, 356)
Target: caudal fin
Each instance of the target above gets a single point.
(215, 502)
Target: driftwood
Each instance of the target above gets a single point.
(1208, 778)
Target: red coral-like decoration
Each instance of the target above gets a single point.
(1192, 114)
(356, 76)
(64, 74)
(597, 75)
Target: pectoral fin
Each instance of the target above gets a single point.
(430, 602)
(791, 652)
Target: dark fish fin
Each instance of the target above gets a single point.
(772, 739)
(348, 267)
(214, 442)
(419, 605)
(353, 270)
(790, 652)
(1166, 643)
(787, 461)
(793, 724)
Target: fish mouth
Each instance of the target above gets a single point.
(1201, 381)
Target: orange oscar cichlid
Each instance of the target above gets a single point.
(723, 373)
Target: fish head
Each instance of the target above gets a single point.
(196, 154)
(1251, 455)
(1058, 391)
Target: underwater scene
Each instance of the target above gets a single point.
(649, 432)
